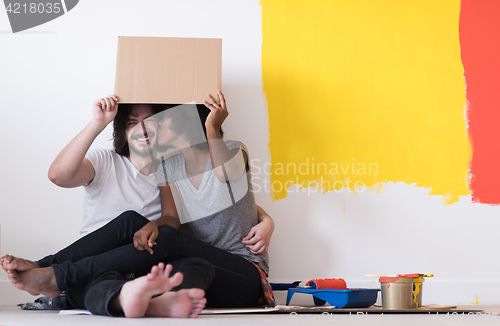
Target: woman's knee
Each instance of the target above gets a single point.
(195, 262)
(197, 272)
(166, 231)
(169, 238)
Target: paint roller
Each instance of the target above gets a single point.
(327, 283)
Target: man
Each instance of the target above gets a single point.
(114, 180)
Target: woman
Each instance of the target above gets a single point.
(229, 279)
(215, 202)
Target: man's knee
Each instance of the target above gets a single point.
(130, 214)
(131, 217)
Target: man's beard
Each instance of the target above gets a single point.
(144, 151)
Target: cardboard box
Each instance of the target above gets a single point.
(167, 69)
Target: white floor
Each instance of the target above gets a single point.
(14, 316)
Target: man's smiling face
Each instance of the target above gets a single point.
(141, 130)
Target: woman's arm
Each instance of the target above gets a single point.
(228, 164)
(259, 237)
(144, 239)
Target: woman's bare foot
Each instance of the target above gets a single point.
(135, 295)
(11, 263)
(35, 281)
(182, 304)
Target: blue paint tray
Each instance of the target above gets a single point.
(349, 298)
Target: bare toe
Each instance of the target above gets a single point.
(135, 296)
(182, 304)
(10, 262)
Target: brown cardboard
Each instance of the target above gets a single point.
(167, 69)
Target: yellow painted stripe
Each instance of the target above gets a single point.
(366, 91)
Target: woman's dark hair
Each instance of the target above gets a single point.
(120, 141)
(179, 124)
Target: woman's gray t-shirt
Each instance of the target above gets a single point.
(220, 214)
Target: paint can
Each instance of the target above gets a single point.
(397, 292)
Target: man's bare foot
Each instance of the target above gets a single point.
(11, 263)
(36, 281)
(182, 304)
(135, 295)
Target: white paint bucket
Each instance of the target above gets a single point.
(397, 292)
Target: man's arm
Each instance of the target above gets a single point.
(70, 168)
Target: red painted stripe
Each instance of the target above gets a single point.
(480, 47)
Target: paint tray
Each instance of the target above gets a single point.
(348, 298)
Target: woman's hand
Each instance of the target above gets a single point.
(218, 111)
(259, 237)
(105, 109)
(144, 239)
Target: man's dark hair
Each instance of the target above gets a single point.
(120, 122)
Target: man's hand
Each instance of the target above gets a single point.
(144, 239)
(259, 237)
(70, 168)
(105, 109)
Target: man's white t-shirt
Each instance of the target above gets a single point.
(117, 187)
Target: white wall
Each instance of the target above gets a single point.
(50, 76)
